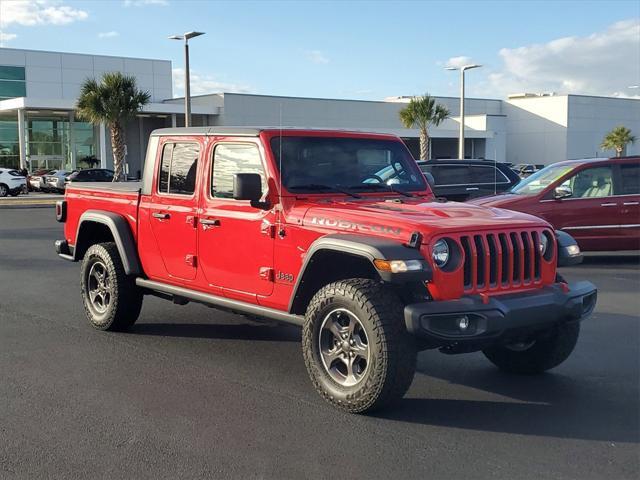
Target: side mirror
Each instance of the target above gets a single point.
(562, 192)
(248, 186)
(430, 180)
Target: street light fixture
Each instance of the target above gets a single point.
(187, 81)
(462, 70)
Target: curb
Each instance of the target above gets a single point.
(15, 205)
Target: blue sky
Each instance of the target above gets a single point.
(363, 50)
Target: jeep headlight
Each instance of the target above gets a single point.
(440, 253)
(543, 244)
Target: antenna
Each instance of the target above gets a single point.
(280, 161)
(495, 166)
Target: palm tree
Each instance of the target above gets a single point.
(113, 101)
(422, 112)
(617, 139)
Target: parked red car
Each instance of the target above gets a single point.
(597, 201)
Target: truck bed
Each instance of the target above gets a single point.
(130, 187)
(117, 197)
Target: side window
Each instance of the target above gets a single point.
(450, 174)
(178, 168)
(629, 179)
(591, 183)
(487, 174)
(229, 159)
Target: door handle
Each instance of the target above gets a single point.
(161, 216)
(472, 188)
(608, 204)
(209, 223)
(628, 204)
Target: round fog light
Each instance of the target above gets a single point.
(463, 323)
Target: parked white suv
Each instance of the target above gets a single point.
(12, 182)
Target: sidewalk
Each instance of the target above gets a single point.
(33, 200)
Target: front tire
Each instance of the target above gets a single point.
(540, 355)
(356, 348)
(4, 190)
(111, 299)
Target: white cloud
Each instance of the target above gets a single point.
(603, 63)
(38, 12)
(202, 84)
(457, 62)
(316, 56)
(142, 3)
(6, 37)
(110, 34)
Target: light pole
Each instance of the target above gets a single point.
(187, 80)
(462, 70)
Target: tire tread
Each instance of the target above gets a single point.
(397, 348)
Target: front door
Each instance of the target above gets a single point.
(173, 205)
(235, 239)
(590, 214)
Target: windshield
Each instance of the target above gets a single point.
(319, 164)
(541, 179)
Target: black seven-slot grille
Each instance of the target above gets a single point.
(501, 260)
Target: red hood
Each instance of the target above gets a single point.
(401, 219)
(507, 200)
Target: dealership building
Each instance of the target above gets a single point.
(38, 127)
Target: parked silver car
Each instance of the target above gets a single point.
(54, 182)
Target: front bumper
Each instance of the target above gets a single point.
(497, 319)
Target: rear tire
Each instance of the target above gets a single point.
(358, 322)
(546, 352)
(110, 297)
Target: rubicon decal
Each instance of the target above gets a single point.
(359, 227)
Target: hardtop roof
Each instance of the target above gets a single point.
(254, 131)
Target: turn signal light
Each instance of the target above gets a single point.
(398, 266)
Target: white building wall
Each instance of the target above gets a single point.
(496, 143)
(591, 118)
(536, 129)
(53, 75)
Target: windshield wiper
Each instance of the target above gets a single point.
(363, 186)
(319, 186)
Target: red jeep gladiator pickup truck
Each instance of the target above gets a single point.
(337, 232)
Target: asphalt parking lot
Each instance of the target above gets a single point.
(194, 393)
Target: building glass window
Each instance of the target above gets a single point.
(48, 143)
(12, 82)
(56, 143)
(9, 146)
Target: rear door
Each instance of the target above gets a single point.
(173, 204)
(487, 180)
(628, 199)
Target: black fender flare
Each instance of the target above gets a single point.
(367, 247)
(122, 236)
